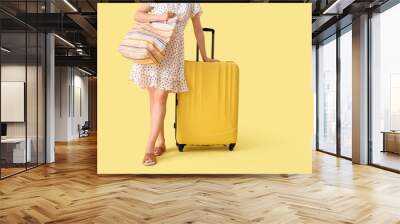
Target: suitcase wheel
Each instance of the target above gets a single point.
(180, 147)
(231, 146)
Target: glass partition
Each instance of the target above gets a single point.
(22, 78)
(14, 153)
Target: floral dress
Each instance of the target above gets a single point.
(169, 74)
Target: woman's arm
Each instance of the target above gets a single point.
(142, 15)
(198, 32)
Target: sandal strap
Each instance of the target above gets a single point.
(159, 150)
(149, 157)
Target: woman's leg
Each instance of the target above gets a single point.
(161, 139)
(149, 159)
(151, 97)
(160, 142)
(158, 109)
(159, 147)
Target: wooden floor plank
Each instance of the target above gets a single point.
(70, 191)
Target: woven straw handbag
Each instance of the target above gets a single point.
(146, 42)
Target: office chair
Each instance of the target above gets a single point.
(84, 130)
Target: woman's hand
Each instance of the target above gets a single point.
(167, 15)
(210, 60)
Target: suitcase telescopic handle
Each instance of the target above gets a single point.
(212, 43)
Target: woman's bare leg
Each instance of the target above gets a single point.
(158, 110)
(160, 138)
(149, 159)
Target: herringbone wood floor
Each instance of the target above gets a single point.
(69, 191)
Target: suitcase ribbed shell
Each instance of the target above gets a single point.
(208, 113)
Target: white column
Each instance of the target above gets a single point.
(360, 90)
(50, 110)
(50, 93)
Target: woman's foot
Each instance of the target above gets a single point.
(149, 159)
(159, 150)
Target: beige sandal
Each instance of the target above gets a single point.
(149, 159)
(158, 151)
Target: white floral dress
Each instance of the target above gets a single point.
(169, 73)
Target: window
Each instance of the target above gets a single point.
(346, 93)
(327, 95)
(385, 89)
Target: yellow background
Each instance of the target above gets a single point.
(271, 43)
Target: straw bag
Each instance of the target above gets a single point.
(146, 42)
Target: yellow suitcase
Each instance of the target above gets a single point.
(208, 113)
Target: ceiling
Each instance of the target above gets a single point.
(76, 22)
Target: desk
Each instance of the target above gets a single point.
(391, 141)
(16, 148)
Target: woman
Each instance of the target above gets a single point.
(167, 76)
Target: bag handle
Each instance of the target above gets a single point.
(212, 43)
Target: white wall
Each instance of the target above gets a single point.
(62, 81)
(12, 101)
(71, 87)
(16, 72)
(83, 83)
(12, 73)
